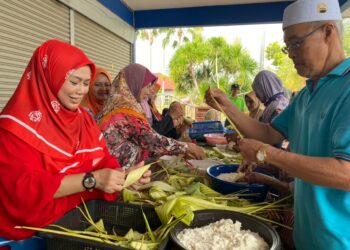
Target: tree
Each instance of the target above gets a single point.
(284, 67)
(181, 35)
(148, 35)
(217, 48)
(241, 66)
(273, 52)
(178, 36)
(185, 63)
(200, 64)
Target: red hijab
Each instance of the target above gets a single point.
(90, 101)
(35, 115)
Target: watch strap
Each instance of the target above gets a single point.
(88, 176)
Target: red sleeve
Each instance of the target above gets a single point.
(109, 161)
(27, 190)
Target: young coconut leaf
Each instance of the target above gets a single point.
(149, 230)
(135, 175)
(161, 185)
(228, 118)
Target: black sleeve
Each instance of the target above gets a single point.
(163, 126)
(274, 114)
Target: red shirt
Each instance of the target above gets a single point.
(27, 188)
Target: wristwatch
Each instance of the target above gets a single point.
(89, 181)
(261, 154)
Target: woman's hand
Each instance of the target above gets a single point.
(176, 111)
(178, 122)
(109, 180)
(183, 127)
(195, 151)
(146, 177)
(220, 97)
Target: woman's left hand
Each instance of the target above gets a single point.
(146, 177)
(249, 148)
(195, 151)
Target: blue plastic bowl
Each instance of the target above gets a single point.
(225, 187)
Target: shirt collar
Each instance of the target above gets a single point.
(340, 70)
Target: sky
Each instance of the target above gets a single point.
(251, 36)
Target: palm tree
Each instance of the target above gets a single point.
(178, 36)
(148, 35)
(217, 47)
(186, 62)
(198, 64)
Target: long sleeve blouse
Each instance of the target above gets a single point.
(27, 189)
(131, 139)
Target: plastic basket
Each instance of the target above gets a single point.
(33, 243)
(116, 215)
(208, 127)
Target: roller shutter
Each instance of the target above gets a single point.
(24, 25)
(103, 47)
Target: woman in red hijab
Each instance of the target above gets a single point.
(98, 93)
(52, 152)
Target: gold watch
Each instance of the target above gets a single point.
(261, 154)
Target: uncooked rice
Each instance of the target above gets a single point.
(231, 177)
(221, 235)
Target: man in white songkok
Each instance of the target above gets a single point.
(316, 123)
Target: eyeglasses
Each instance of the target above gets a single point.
(296, 43)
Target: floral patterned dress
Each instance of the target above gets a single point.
(130, 139)
(129, 136)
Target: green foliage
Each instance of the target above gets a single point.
(274, 53)
(284, 67)
(185, 62)
(199, 64)
(148, 35)
(179, 36)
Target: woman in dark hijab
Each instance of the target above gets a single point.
(269, 89)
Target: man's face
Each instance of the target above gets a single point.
(234, 92)
(307, 48)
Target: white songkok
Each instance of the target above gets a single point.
(305, 11)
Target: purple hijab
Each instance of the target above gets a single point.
(268, 88)
(137, 77)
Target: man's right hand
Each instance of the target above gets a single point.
(220, 97)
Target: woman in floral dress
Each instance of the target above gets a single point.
(123, 122)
